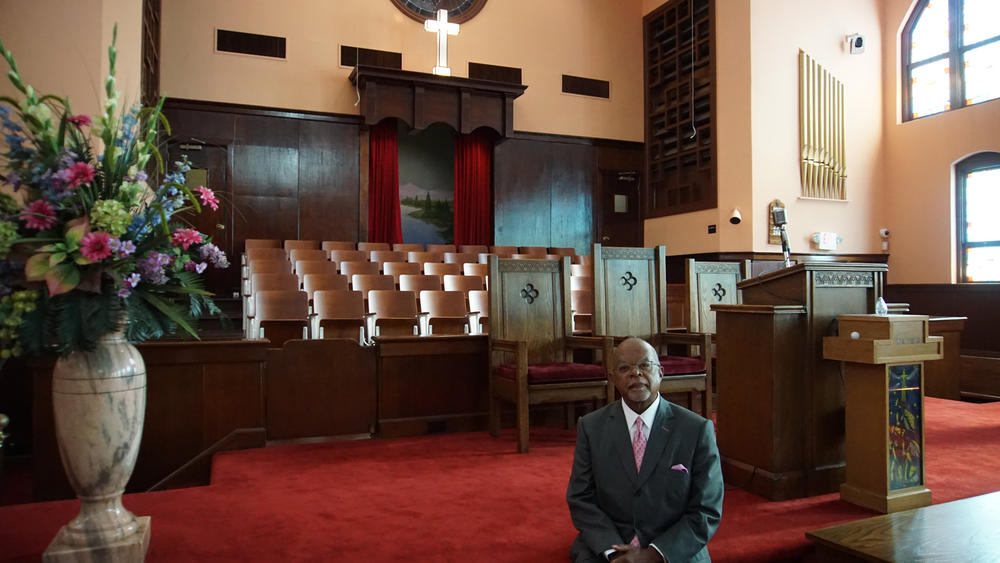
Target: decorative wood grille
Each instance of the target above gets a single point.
(821, 131)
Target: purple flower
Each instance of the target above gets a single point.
(14, 180)
(124, 292)
(151, 268)
(132, 280)
(198, 267)
(214, 255)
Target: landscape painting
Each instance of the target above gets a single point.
(426, 184)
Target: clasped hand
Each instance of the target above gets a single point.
(625, 553)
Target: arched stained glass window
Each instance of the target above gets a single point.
(951, 56)
(977, 181)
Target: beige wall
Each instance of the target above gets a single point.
(757, 52)
(545, 39)
(920, 154)
(61, 47)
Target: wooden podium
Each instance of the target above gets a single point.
(883, 374)
(780, 402)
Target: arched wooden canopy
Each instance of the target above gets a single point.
(421, 99)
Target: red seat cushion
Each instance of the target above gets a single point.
(681, 365)
(557, 372)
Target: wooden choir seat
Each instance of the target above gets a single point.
(584, 259)
(396, 269)
(503, 251)
(266, 282)
(424, 257)
(280, 315)
(419, 282)
(473, 248)
(266, 253)
(338, 313)
(539, 251)
(630, 300)
(367, 282)
(447, 312)
(304, 268)
(442, 248)
(578, 270)
(292, 244)
(481, 270)
(462, 283)
(311, 283)
(351, 268)
(527, 256)
(479, 302)
(340, 256)
(577, 283)
(460, 257)
(308, 254)
(370, 246)
(562, 251)
(583, 311)
(531, 344)
(265, 267)
(441, 269)
(380, 257)
(329, 245)
(408, 247)
(393, 313)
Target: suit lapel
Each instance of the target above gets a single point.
(659, 435)
(617, 430)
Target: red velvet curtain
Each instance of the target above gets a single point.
(473, 167)
(384, 223)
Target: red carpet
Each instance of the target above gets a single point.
(460, 497)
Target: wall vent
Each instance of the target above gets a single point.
(250, 43)
(586, 86)
(495, 73)
(351, 56)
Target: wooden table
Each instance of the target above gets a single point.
(965, 530)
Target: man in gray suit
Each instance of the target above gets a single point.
(668, 508)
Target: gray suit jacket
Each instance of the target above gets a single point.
(674, 509)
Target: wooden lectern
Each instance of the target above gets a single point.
(781, 404)
(883, 374)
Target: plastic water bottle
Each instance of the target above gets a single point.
(881, 308)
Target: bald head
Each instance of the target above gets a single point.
(635, 372)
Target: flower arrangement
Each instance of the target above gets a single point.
(85, 242)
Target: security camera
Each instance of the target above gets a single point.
(883, 232)
(856, 43)
(736, 217)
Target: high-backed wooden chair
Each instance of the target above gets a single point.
(350, 268)
(460, 257)
(281, 315)
(311, 283)
(462, 283)
(341, 256)
(396, 269)
(442, 248)
(441, 269)
(531, 343)
(481, 270)
(448, 312)
(329, 245)
(630, 300)
(338, 313)
(307, 254)
(394, 313)
(479, 302)
(419, 282)
(473, 248)
(424, 257)
(380, 257)
(370, 246)
(305, 268)
(712, 283)
(408, 247)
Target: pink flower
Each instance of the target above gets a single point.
(38, 215)
(79, 173)
(186, 237)
(207, 197)
(96, 246)
(79, 120)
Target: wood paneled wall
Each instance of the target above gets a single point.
(979, 302)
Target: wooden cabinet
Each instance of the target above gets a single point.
(680, 107)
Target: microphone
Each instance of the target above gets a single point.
(780, 219)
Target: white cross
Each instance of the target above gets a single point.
(443, 30)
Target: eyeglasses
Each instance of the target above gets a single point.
(644, 366)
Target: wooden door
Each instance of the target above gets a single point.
(620, 222)
(210, 168)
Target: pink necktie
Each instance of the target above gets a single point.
(638, 443)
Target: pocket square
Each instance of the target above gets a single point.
(679, 467)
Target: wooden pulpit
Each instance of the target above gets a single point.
(883, 359)
(780, 407)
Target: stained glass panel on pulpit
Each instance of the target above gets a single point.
(906, 427)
